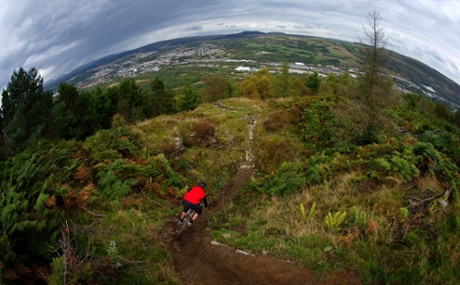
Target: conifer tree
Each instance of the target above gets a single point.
(65, 113)
(160, 101)
(375, 87)
(375, 55)
(313, 82)
(189, 100)
(26, 111)
(130, 101)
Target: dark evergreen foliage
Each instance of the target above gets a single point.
(189, 100)
(313, 82)
(29, 113)
(32, 205)
(26, 111)
(159, 100)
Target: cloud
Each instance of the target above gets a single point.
(56, 36)
(195, 28)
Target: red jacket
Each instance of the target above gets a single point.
(195, 195)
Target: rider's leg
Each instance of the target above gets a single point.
(195, 216)
(181, 219)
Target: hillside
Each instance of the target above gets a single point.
(388, 192)
(221, 54)
(330, 179)
(316, 198)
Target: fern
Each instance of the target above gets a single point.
(358, 218)
(333, 222)
(310, 213)
(404, 168)
(302, 211)
(404, 212)
(286, 180)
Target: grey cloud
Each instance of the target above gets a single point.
(195, 28)
(56, 36)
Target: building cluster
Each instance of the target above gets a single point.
(209, 55)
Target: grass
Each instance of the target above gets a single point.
(274, 225)
(216, 163)
(128, 246)
(376, 238)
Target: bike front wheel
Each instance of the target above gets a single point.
(182, 227)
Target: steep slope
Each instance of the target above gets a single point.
(198, 259)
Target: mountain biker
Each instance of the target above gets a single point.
(192, 200)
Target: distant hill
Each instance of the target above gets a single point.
(256, 50)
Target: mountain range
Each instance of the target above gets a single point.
(248, 51)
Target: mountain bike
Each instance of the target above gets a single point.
(188, 217)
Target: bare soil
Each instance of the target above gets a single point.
(197, 259)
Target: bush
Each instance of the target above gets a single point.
(32, 205)
(271, 152)
(204, 129)
(280, 121)
(285, 181)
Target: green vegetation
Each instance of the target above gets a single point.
(268, 50)
(380, 200)
(86, 196)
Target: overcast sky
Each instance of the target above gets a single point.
(56, 36)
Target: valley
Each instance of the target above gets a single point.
(240, 54)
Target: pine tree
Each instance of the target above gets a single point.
(313, 82)
(26, 111)
(189, 100)
(159, 100)
(130, 101)
(375, 87)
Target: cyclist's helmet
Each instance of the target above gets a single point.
(202, 184)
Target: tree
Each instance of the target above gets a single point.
(457, 118)
(130, 101)
(103, 110)
(282, 83)
(313, 82)
(257, 86)
(375, 55)
(285, 85)
(375, 88)
(189, 100)
(65, 114)
(215, 88)
(26, 111)
(441, 112)
(159, 100)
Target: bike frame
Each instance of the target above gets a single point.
(184, 225)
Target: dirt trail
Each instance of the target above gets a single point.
(197, 259)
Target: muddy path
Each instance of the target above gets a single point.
(197, 259)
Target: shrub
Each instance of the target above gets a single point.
(280, 121)
(286, 180)
(271, 152)
(318, 124)
(202, 133)
(204, 129)
(32, 205)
